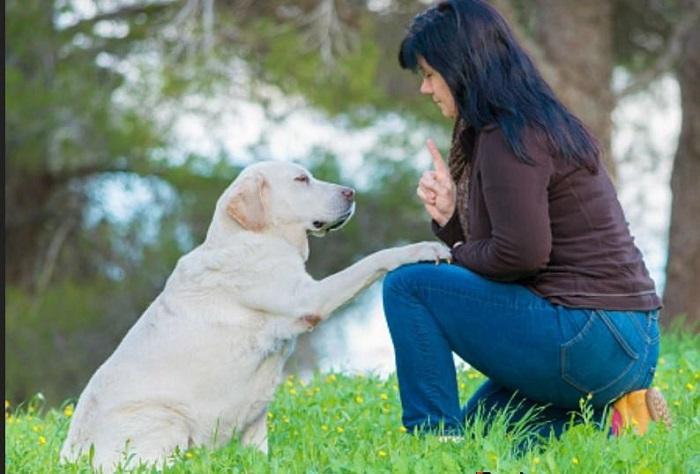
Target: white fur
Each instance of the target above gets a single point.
(203, 361)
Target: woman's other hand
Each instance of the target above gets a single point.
(436, 188)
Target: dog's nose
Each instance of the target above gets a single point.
(349, 193)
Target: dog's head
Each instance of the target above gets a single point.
(274, 194)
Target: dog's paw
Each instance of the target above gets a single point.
(423, 252)
(432, 251)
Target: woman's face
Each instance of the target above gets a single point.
(435, 85)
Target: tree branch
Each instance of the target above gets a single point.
(52, 253)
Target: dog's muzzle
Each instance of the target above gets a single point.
(321, 228)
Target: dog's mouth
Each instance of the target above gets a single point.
(321, 228)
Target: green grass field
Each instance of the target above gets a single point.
(337, 423)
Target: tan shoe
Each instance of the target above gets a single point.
(636, 408)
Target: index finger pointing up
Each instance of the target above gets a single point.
(439, 164)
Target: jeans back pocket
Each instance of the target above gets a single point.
(601, 354)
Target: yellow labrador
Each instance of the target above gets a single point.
(203, 361)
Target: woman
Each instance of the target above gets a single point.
(547, 294)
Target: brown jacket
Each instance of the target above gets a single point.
(552, 226)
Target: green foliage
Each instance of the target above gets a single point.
(344, 424)
(291, 62)
(60, 114)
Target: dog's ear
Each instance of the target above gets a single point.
(247, 204)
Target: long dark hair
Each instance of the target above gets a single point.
(492, 79)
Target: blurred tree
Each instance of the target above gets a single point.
(62, 126)
(681, 295)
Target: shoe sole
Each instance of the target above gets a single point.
(658, 408)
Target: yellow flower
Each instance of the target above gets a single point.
(289, 383)
(189, 455)
(382, 454)
(402, 429)
(359, 399)
(42, 440)
(68, 411)
(676, 403)
(285, 419)
(324, 427)
(10, 420)
(384, 396)
(462, 385)
(36, 428)
(574, 460)
(7, 404)
(339, 429)
(293, 391)
(535, 460)
(331, 378)
(689, 386)
(270, 415)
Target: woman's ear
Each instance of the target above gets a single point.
(246, 204)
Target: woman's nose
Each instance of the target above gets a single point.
(426, 87)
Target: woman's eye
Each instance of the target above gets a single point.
(302, 179)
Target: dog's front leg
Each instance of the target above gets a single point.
(256, 433)
(325, 296)
(309, 301)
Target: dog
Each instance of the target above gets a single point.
(203, 361)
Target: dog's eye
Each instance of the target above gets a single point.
(302, 178)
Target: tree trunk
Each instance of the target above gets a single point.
(27, 197)
(575, 40)
(682, 292)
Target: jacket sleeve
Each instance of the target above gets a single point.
(451, 232)
(516, 201)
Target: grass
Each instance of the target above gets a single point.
(344, 424)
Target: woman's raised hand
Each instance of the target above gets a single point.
(436, 188)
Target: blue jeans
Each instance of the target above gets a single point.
(534, 353)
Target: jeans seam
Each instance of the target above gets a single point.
(644, 334)
(642, 370)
